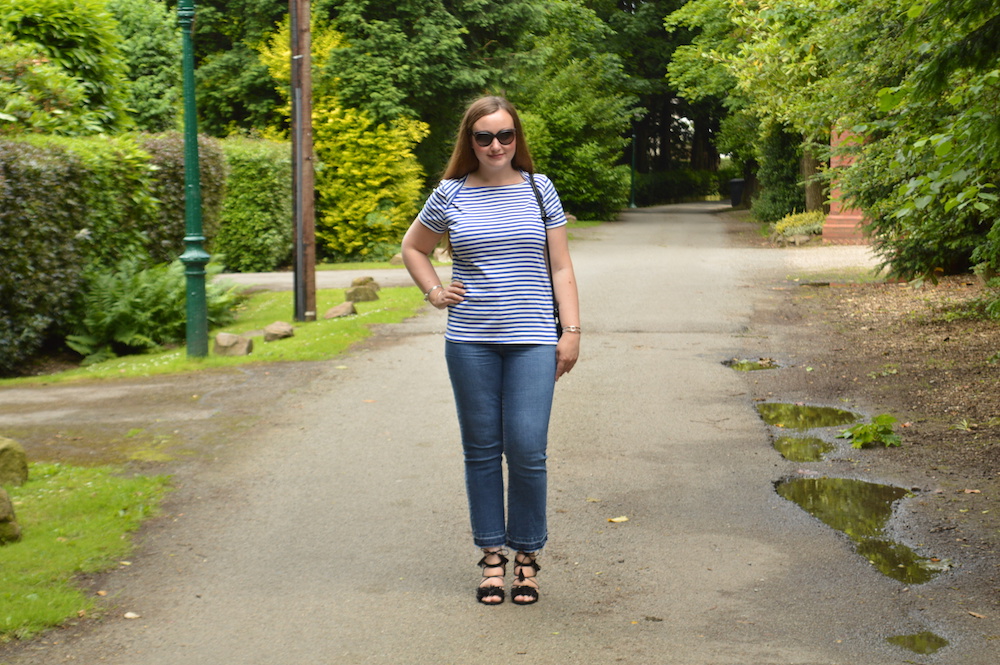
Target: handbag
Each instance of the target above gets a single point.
(548, 264)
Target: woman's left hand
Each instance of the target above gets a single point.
(567, 352)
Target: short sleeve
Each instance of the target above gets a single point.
(434, 213)
(551, 201)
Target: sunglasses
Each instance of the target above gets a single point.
(484, 139)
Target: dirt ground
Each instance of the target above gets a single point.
(914, 353)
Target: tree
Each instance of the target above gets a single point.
(80, 37)
(152, 50)
(38, 96)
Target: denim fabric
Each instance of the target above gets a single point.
(503, 393)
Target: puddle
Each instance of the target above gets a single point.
(746, 365)
(924, 643)
(808, 449)
(800, 416)
(861, 510)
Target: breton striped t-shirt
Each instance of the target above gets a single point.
(498, 253)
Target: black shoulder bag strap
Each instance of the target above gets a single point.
(548, 263)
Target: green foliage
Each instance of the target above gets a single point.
(115, 204)
(80, 37)
(152, 50)
(879, 430)
(165, 231)
(674, 186)
(75, 521)
(801, 223)
(41, 261)
(38, 96)
(255, 230)
(781, 194)
(368, 180)
(368, 184)
(135, 309)
(576, 117)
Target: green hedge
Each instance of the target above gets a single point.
(256, 229)
(69, 206)
(40, 260)
(672, 186)
(165, 232)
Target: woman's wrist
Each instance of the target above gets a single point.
(427, 294)
(571, 329)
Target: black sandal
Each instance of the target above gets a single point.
(524, 560)
(484, 594)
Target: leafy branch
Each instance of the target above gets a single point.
(879, 430)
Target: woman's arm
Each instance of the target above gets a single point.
(564, 286)
(418, 244)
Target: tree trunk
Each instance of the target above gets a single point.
(815, 193)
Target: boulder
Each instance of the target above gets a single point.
(13, 463)
(228, 344)
(366, 281)
(441, 255)
(278, 330)
(396, 260)
(363, 293)
(10, 531)
(341, 310)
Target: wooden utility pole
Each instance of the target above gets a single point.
(303, 175)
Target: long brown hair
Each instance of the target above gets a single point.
(463, 157)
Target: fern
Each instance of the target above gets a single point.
(136, 309)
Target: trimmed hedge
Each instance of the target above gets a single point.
(673, 186)
(40, 259)
(72, 205)
(165, 232)
(256, 228)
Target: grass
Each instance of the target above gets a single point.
(317, 340)
(74, 521)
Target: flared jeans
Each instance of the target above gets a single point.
(503, 394)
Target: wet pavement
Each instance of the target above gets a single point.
(320, 515)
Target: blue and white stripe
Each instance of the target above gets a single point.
(498, 248)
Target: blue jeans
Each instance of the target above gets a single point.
(503, 393)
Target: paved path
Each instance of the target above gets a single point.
(334, 532)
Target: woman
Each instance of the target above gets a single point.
(501, 345)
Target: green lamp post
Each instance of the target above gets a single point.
(194, 258)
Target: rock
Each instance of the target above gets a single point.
(441, 255)
(341, 310)
(10, 531)
(396, 260)
(13, 463)
(278, 330)
(228, 344)
(570, 218)
(366, 281)
(363, 293)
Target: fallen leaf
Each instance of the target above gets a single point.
(973, 492)
(618, 519)
(590, 500)
(102, 593)
(978, 616)
(132, 615)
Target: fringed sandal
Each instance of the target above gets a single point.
(489, 594)
(524, 591)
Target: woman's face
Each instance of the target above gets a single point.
(495, 156)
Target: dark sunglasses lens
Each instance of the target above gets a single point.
(483, 139)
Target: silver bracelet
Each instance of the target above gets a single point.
(571, 329)
(427, 296)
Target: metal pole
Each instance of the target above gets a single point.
(195, 258)
(303, 180)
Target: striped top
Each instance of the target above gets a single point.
(498, 249)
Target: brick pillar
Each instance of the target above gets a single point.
(842, 225)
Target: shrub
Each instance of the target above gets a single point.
(673, 186)
(165, 232)
(368, 183)
(802, 223)
(778, 176)
(256, 228)
(115, 203)
(40, 260)
(80, 37)
(134, 309)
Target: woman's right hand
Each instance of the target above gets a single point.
(447, 296)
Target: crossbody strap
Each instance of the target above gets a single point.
(548, 263)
